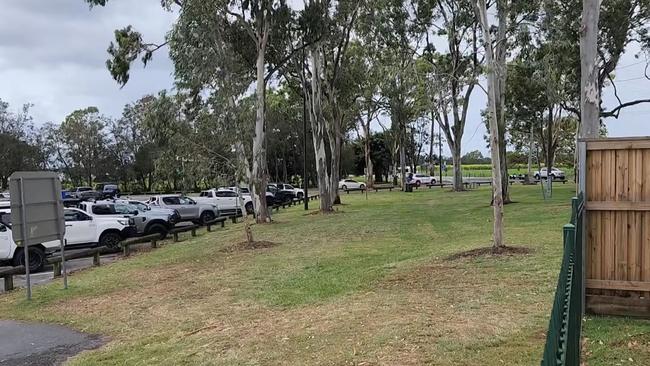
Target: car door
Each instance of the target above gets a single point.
(6, 242)
(189, 207)
(79, 227)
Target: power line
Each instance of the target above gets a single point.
(630, 65)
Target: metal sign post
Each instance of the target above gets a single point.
(24, 233)
(37, 214)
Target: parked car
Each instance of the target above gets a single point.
(84, 228)
(556, 174)
(189, 209)
(4, 195)
(300, 193)
(14, 255)
(228, 202)
(86, 193)
(244, 191)
(108, 190)
(350, 184)
(425, 179)
(146, 222)
(279, 196)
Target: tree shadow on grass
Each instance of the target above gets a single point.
(504, 251)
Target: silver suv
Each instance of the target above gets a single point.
(146, 222)
(189, 209)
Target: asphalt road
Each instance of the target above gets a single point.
(40, 344)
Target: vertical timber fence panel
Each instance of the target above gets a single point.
(618, 226)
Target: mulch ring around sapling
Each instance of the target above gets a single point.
(244, 245)
(504, 251)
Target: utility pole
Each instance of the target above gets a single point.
(304, 131)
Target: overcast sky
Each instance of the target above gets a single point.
(53, 54)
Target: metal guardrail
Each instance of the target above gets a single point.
(563, 336)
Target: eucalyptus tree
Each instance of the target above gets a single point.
(493, 90)
(330, 86)
(450, 30)
(227, 38)
(85, 141)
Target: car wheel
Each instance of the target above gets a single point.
(433, 181)
(344, 187)
(417, 183)
(36, 258)
(537, 176)
(110, 240)
(300, 195)
(362, 187)
(249, 208)
(159, 229)
(206, 217)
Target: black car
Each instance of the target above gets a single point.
(280, 196)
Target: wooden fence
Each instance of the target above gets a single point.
(618, 226)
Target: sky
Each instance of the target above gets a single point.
(53, 54)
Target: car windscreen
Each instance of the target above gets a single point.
(84, 189)
(171, 200)
(104, 210)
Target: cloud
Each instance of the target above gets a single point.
(53, 54)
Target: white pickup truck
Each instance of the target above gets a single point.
(12, 254)
(83, 228)
(228, 201)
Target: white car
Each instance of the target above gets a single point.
(85, 228)
(228, 202)
(425, 179)
(555, 174)
(12, 254)
(350, 185)
(4, 195)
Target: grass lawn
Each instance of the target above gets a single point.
(369, 285)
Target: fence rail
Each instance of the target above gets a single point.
(563, 336)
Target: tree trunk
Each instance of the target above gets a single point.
(370, 180)
(402, 164)
(260, 170)
(501, 48)
(458, 170)
(590, 95)
(529, 175)
(318, 130)
(492, 69)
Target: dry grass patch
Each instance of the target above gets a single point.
(490, 252)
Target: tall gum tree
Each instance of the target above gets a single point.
(245, 23)
(493, 88)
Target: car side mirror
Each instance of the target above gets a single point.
(134, 212)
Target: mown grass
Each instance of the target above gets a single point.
(369, 284)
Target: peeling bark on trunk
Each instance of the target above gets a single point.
(458, 170)
(492, 70)
(590, 92)
(260, 169)
(370, 178)
(318, 133)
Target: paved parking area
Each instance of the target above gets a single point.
(46, 275)
(37, 344)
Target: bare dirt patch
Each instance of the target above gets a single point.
(490, 252)
(244, 245)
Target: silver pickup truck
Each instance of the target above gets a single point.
(189, 209)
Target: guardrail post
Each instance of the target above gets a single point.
(223, 223)
(154, 243)
(125, 249)
(9, 282)
(193, 231)
(96, 260)
(208, 227)
(57, 269)
(175, 237)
